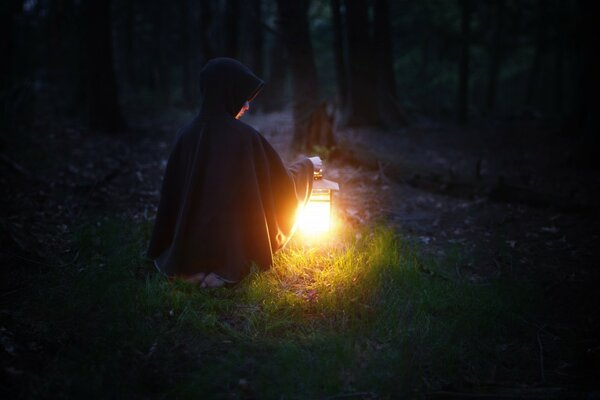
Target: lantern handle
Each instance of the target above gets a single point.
(317, 166)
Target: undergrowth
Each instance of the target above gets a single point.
(358, 314)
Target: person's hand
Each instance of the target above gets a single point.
(317, 163)
(245, 108)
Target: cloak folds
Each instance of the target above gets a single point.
(227, 199)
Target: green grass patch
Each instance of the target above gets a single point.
(356, 314)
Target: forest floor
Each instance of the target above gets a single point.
(62, 182)
(549, 244)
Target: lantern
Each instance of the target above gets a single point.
(316, 216)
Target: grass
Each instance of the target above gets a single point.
(359, 314)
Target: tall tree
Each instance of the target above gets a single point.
(253, 34)
(8, 48)
(186, 50)
(389, 109)
(231, 28)
(311, 125)
(129, 30)
(253, 43)
(272, 98)
(588, 85)
(360, 109)
(100, 87)
(384, 45)
(560, 16)
(338, 51)
(497, 49)
(162, 61)
(207, 49)
(539, 50)
(463, 70)
(371, 96)
(8, 14)
(56, 36)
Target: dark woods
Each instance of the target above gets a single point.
(369, 62)
(464, 139)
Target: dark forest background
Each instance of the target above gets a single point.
(380, 62)
(464, 137)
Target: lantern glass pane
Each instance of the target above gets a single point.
(316, 217)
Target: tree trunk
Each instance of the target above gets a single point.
(256, 33)
(423, 75)
(384, 46)
(56, 39)
(9, 66)
(588, 87)
(231, 29)
(536, 62)
(560, 15)
(390, 111)
(103, 110)
(272, 97)
(253, 15)
(8, 12)
(496, 57)
(186, 62)
(338, 51)
(559, 75)
(129, 43)
(361, 109)
(162, 66)
(463, 70)
(207, 49)
(310, 124)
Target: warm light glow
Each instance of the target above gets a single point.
(316, 216)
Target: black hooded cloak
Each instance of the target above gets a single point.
(227, 199)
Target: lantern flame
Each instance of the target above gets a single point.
(316, 216)
(315, 219)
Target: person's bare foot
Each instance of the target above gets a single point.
(213, 280)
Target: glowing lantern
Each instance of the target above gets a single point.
(316, 216)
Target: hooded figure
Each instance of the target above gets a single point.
(227, 199)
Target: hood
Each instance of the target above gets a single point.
(225, 85)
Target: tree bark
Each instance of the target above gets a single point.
(56, 18)
(162, 66)
(496, 56)
(103, 110)
(9, 65)
(360, 109)
(272, 97)
(463, 70)
(256, 33)
(540, 49)
(8, 12)
(384, 46)
(338, 51)
(310, 122)
(231, 29)
(129, 43)
(253, 18)
(207, 49)
(560, 15)
(186, 62)
(390, 111)
(588, 87)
